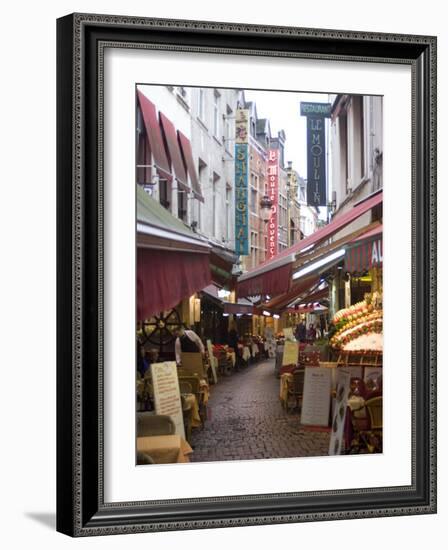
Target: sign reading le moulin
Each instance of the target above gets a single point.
(241, 183)
(316, 158)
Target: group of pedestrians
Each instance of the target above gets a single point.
(303, 334)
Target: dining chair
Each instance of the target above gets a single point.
(149, 424)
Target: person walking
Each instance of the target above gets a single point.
(232, 339)
(300, 332)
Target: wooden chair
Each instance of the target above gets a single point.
(368, 433)
(185, 386)
(193, 363)
(225, 366)
(195, 384)
(154, 424)
(375, 411)
(295, 388)
(144, 458)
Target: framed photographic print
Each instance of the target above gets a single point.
(246, 274)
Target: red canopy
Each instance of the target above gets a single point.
(174, 151)
(365, 252)
(270, 277)
(165, 278)
(154, 134)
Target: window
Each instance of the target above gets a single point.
(253, 197)
(201, 104)
(183, 98)
(253, 200)
(228, 128)
(216, 125)
(215, 191)
(254, 248)
(203, 174)
(362, 134)
(182, 206)
(143, 170)
(228, 211)
(343, 151)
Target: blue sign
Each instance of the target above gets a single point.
(241, 199)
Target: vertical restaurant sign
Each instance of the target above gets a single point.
(241, 200)
(241, 182)
(272, 176)
(316, 155)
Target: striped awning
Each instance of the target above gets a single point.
(365, 252)
(154, 134)
(273, 276)
(187, 152)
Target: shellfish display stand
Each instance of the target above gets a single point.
(357, 341)
(357, 350)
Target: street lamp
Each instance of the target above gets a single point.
(265, 208)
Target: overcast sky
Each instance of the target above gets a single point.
(283, 111)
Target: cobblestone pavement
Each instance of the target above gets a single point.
(247, 421)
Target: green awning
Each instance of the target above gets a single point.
(155, 222)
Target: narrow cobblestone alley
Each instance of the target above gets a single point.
(247, 421)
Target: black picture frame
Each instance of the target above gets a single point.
(81, 510)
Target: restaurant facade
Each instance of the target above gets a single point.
(221, 246)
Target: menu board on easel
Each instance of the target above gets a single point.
(166, 393)
(316, 396)
(339, 412)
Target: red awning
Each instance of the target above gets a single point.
(270, 276)
(173, 149)
(365, 251)
(187, 153)
(154, 134)
(235, 309)
(279, 303)
(165, 278)
(307, 308)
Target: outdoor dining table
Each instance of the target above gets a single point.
(191, 400)
(204, 389)
(285, 380)
(165, 449)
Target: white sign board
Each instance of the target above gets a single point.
(166, 393)
(339, 412)
(316, 396)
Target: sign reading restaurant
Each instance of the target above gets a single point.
(241, 182)
(316, 151)
(273, 169)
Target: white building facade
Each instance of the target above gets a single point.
(205, 116)
(356, 142)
